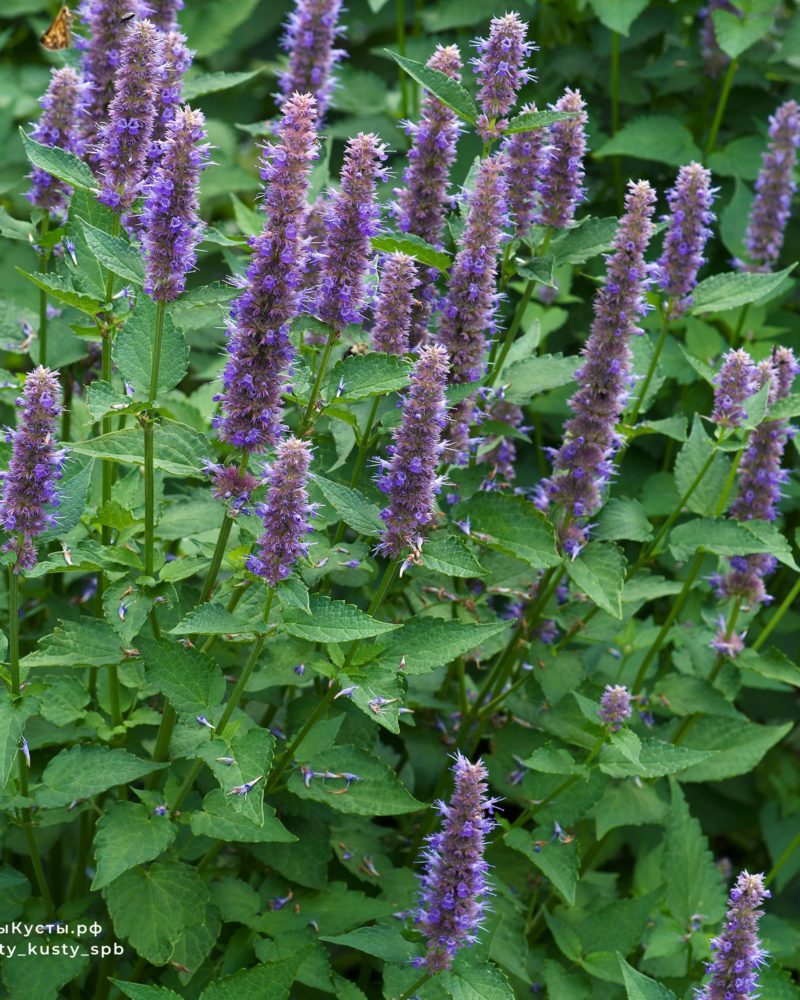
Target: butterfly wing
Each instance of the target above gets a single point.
(59, 34)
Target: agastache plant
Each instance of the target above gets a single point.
(501, 70)
(310, 43)
(583, 464)
(394, 304)
(454, 886)
(688, 222)
(176, 61)
(561, 174)
(615, 706)
(164, 13)
(525, 157)
(734, 384)
(29, 486)
(260, 353)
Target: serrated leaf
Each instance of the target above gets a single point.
(141, 991)
(510, 524)
(262, 982)
(84, 643)
(599, 571)
(126, 609)
(73, 490)
(730, 538)
(379, 940)
(618, 15)
(61, 289)
(653, 137)
(688, 465)
(84, 771)
(740, 747)
(736, 33)
(412, 246)
(190, 680)
(627, 755)
(58, 162)
(639, 987)
(127, 835)
(449, 92)
(726, 291)
(213, 83)
(179, 450)
(527, 121)
(531, 376)
(333, 621)
(362, 376)
(623, 519)
(219, 821)
(134, 348)
(590, 238)
(695, 883)
(115, 255)
(12, 723)
(211, 619)
(772, 663)
(427, 643)
(352, 507)
(556, 861)
(450, 556)
(251, 753)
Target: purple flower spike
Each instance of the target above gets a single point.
(260, 351)
(164, 13)
(500, 66)
(395, 304)
(64, 105)
(454, 889)
(688, 229)
(171, 226)
(125, 138)
(35, 466)
(423, 202)
(525, 159)
(583, 463)
(177, 60)
(284, 514)
(468, 314)
(734, 384)
(352, 219)
(309, 39)
(561, 181)
(502, 456)
(775, 187)
(738, 953)
(615, 706)
(409, 477)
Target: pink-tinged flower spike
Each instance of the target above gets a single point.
(454, 889)
(687, 231)
(64, 105)
(260, 351)
(394, 304)
(409, 477)
(171, 226)
(501, 70)
(775, 187)
(422, 204)
(525, 157)
(583, 463)
(125, 138)
(734, 384)
(738, 954)
(309, 39)
(35, 467)
(468, 315)
(352, 218)
(615, 706)
(164, 13)
(561, 179)
(285, 513)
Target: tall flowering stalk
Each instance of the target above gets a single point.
(738, 954)
(352, 218)
(500, 67)
(561, 178)
(468, 315)
(395, 304)
(525, 158)
(260, 352)
(583, 463)
(125, 137)
(734, 384)
(63, 108)
(422, 204)
(502, 456)
(164, 13)
(284, 514)
(29, 485)
(409, 477)
(775, 187)
(309, 39)
(177, 59)
(688, 221)
(454, 889)
(171, 226)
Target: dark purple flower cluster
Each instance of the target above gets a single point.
(310, 35)
(615, 706)
(125, 138)
(734, 384)
(395, 304)
(737, 951)
(502, 456)
(164, 13)
(501, 70)
(584, 462)
(231, 484)
(61, 124)
(561, 178)
(775, 187)
(409, 477)
(688, 229)
(285, 513)
(171, 226)
(352, 218)
(454, 888)
(525, 156)
(260, 351)
(35, 467)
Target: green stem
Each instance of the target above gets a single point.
(721, 105)
(107, 421)
(771, 625)
(13, 631)
(417, 985)
(361, 458)
(615, 114)
(400, 13)
(737, 333)
(44, 256)
(511, 332)
(783, 859)
(651, 369)
(216, 560)
(652, 549)
(333, 336)
(565, 785)
(149, 452)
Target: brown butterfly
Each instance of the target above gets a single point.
(59, 34)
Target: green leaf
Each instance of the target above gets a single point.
(84, 643)
(213, 83)
(627, 804)
(450, 556)
(211, 619)
(190, 680)
(627, 755)
(362, 376)
(262, 982)
(618, 15)
(786, 409)
(219, 821)
(736, 288)
(599, 571)
(730, 538)
(152, 907)
(530, 376)
(352, 507)
(14, 229)
(58, 162)
(60, 288)
(695, 884)
(771, 663)
(588, 239)
(641, 987)
(379, 940)
(413, 246)
(735, 33)
(134, 348)
(427, 643)
(530, 120)
(623, 519)
(179, 450)
(512, 525)
(84, 771)
(449, 92)
(557, 861)
(333, 621)
(688, 465)
(42, 977)
(653, 137)
(140, 991)
(73, 490)
(126, 609)
(12, 722)
(115, 255)
(740, 747)
(378, 792)
(102, 398)
(127, 835)
(252, 753)
(293, 593)
(473, 982)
